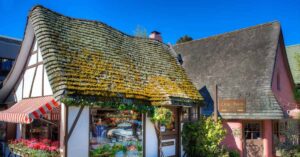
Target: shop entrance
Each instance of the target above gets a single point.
(253, 139)
(170, 136)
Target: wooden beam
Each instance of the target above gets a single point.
(32, 82)
(144, 115)
(66, 130)
(216, 104)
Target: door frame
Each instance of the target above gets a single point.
(176, 134)
(244, 122)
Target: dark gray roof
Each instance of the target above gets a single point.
(9, 47)
(242, 63)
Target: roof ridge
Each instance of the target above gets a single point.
(233, 32)
(293, 45)
(10, 39)
(95, 21)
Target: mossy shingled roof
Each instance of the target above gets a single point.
(90, 58)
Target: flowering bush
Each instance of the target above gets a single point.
(34, 147)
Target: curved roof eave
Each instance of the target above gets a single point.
(17, 69)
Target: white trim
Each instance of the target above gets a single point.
(19, 91)
(40, 58)
(47, 87)
(37, 83)
(32, 60)
(28, 80)
(78, 144)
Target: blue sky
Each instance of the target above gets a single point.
(174, 18)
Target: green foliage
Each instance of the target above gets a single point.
(162, 115)
(203, 137)
(288, 131)
(291, 151)
(234, 153)
(140, 31)
(78, 101)
(110, 151)
(183, 39)
(297, 94)
(225, 152)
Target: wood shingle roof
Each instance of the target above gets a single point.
(91, 59)
(242, 63)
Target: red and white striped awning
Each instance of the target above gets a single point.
(27, 110)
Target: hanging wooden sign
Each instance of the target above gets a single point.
(232, 105)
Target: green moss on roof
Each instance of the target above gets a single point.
(293, 53)
(88, 58)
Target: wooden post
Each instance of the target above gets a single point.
(216, 104)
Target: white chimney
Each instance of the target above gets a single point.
(155, 35)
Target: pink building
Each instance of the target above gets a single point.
(249, 71)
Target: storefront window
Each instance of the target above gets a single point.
(114, 132)
(42, 130)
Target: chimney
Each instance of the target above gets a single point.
(155, 35)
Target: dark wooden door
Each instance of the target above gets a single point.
(253, 139)
(170, 136)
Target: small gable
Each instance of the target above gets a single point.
(34, 80)
(282, 82)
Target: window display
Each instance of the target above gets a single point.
(114, 132)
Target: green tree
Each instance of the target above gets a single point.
(140, 31)
(183, 39)
(203, 137)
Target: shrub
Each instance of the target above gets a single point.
(203, 137)
(234, 153)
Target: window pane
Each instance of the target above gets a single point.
(252, 131)
(6, 64)
(185, 114)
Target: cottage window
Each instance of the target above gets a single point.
(194, 111)
(253, 131)
(114, 131)
(190, 113)
(276, 129)
(278, 81)
(185, 114)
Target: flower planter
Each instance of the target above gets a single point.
(34, 148)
